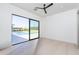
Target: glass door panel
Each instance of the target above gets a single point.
(20, 29)
(34, 29)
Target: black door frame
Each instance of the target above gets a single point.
(38, 29)
(29, 29)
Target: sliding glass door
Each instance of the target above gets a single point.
(24, 29)
(34, 29)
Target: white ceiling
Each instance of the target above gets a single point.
(56, 8)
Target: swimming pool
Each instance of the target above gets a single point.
(24, 33)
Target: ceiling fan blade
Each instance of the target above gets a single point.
(49, 5)
(38, 8)
(45, 11)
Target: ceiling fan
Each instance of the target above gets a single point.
(44, 7)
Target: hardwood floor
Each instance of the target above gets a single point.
(26, 48)
(42, 46)
(53, 47)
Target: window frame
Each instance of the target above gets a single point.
(29, 28)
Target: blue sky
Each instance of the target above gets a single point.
(23, 22)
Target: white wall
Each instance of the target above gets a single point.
(5, 29)
(5, 22)
(62, 26)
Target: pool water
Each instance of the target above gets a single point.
(24, 33)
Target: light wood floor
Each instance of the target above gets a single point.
(26, 48)
(42, 47)
(52, 47)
